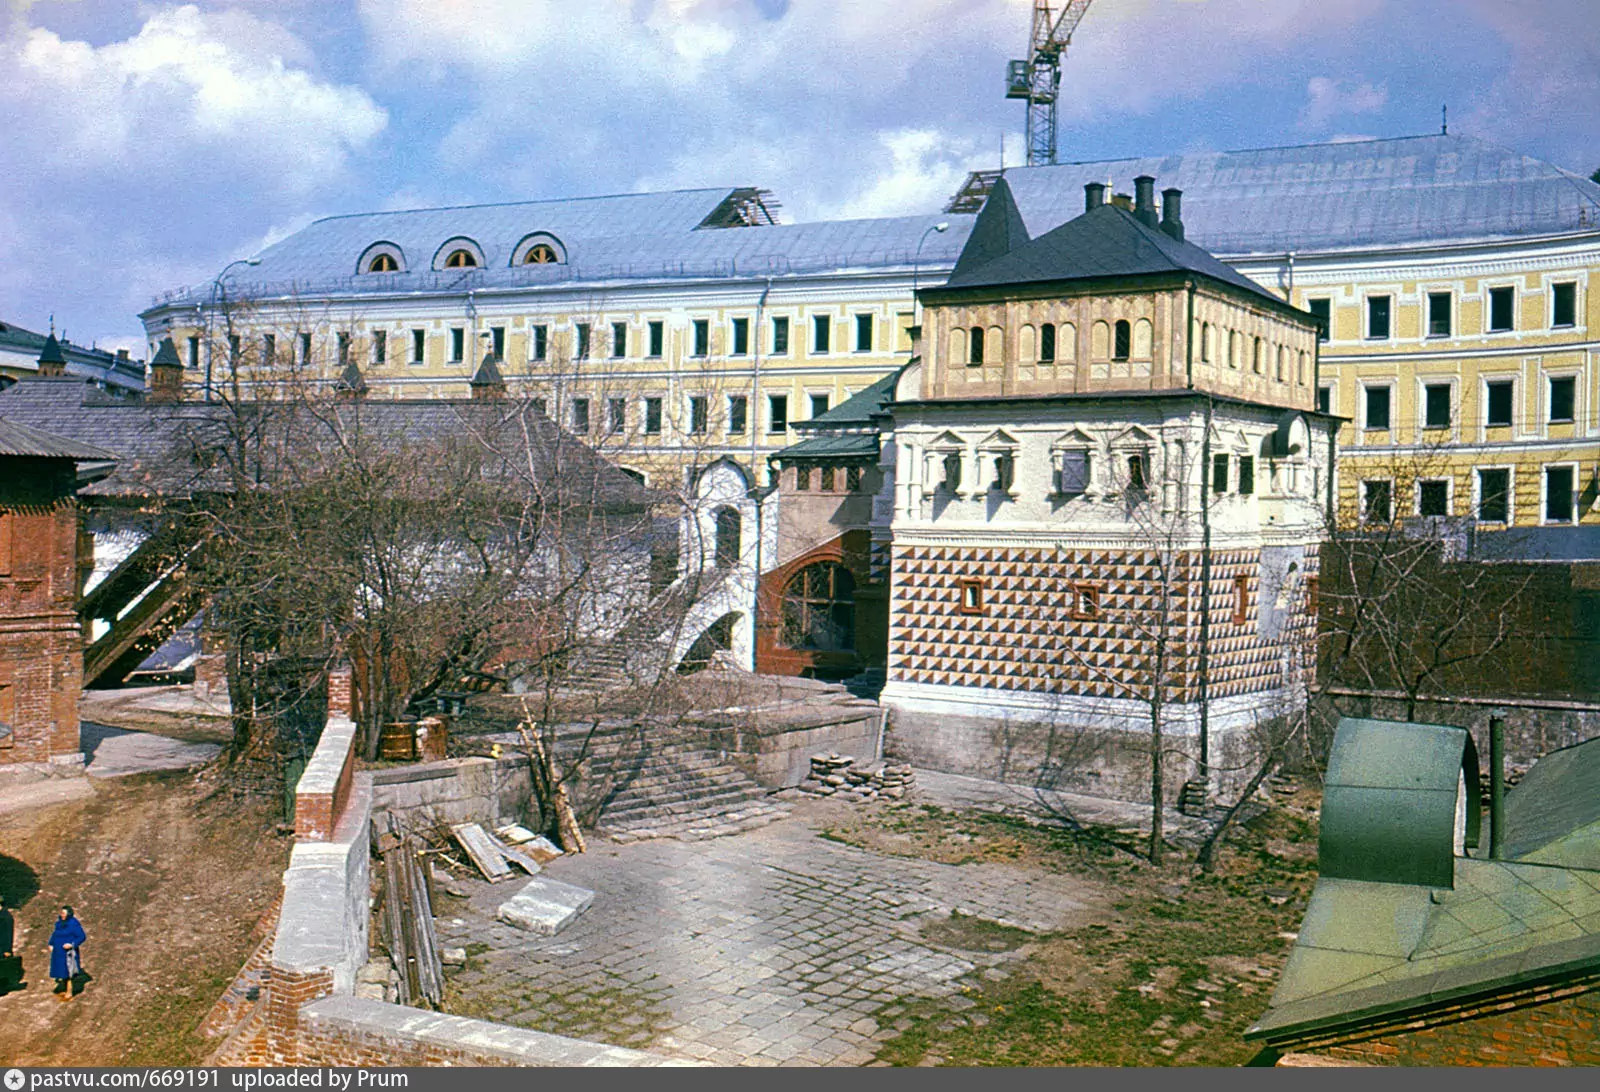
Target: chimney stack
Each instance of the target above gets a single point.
(1497, 788)
(1144, 201)
(1172, 213)
(1122, 201)
(1094, 195)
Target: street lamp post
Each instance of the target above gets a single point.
(941, 227)
(218, 291)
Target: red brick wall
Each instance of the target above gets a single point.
(316, 814)
(1548, 1030)
(41, 667)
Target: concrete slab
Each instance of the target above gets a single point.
(545, 906)
(117, 752)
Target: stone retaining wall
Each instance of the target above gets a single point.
(458, 790)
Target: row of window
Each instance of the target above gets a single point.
(1047, 343)
(1432, 497)
(1072, 474)
(1283, 364)
(582, 410)
(1082, 599)
(538, 248)
(1440, 310)
(1438, 403)
(829, 479)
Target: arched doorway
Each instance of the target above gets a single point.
(717, 637)
(819, 610)
(728, 521)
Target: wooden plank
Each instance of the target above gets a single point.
(516, 856)
(483, 851)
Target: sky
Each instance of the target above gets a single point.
(148, 144)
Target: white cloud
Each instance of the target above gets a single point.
(1328, 98)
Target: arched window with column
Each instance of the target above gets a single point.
(819, 609)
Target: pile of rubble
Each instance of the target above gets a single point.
(838, 776)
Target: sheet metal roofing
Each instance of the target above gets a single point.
(1368, 193)
(19, 440)
(636, 237)
(1370, 951)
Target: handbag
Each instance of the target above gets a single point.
(74, 963)
(10, 970)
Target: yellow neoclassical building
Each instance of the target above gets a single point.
(672, 329)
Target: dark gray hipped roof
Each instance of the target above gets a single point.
(22, 441)
(488, 374)
(51, 353)
(166, 355)
(351, 380)
(999, 230)
(857, 411)
(1103, 243)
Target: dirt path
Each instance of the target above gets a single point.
(168, 887)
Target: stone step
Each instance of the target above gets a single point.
(689, 812)
(688, 803)
(653, 779)
(701, 827)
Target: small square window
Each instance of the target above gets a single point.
(1438, 314)
(1433, 498)
(952, 472)
(819, 405)
(1375, 500)
(821, 333)
(970, 591)
(1498, 395)
(1378, 314)
(1085, 601)
(1324, 399)
(827, 479)
(1436, 405)
(802, 478)
(1502, 302)
(1563, 399)
(1494, 495)
(780, 335)
(1564, 304)
(1377, 407)
(852, 479)
(1558, 499)
(1074, 475)
(863, 333)
(658, 336)
(1321, 310)
(738, 412)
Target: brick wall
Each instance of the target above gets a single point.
(324, 790)
(41, 667)
(1553, 1028)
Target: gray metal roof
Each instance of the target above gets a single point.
(1394, 192)
(17, 439)
(80, 360)
(653, 236)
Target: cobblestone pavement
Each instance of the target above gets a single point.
(773, 947)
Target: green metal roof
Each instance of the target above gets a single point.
(854, 445)
(859, 409)
(1372, 950)
(1390, 799)
(1553, 815)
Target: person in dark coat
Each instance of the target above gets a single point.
(10, 972)
(66, 942)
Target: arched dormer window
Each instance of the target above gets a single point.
(459, 253)
(381, 258)
(539, 248)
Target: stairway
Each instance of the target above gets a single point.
(643, 786)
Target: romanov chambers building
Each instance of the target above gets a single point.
(672, 329)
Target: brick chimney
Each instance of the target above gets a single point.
(166, 374)
(1172, 213)
(1144, 200)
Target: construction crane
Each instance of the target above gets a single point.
(1038, 79)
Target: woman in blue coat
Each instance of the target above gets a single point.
(65, 941)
